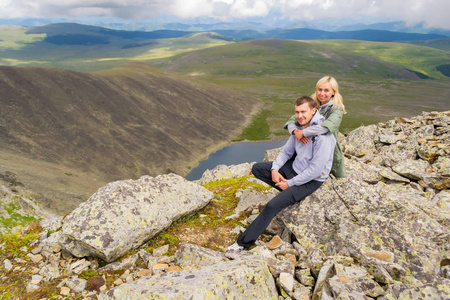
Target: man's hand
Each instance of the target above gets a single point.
(282, 184)
(279, 180)
(277, 177)
(298, 133)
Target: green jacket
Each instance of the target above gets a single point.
(333, 120)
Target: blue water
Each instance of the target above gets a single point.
(233, 155)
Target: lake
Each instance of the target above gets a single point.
(234, 154)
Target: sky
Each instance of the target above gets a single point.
(431, 13)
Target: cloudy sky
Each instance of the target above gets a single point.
(433, 13)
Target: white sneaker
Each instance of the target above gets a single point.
(235, 247)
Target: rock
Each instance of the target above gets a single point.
(226, 172)
(393, 177)
(271, 154)
(235, 279)
(65, 291)
(190, 256)
(286, 282)
(304, 277)
(161, 250)
(412, 169)
(31, 287)
(347, 215)
(74, 283)
(275, 242)
(277, 266)
(36, 279)
(124, 214)
(442, 199)
(144, 273)
(95, 283)
(361, 141)
(8, 265)
(173, 269)
(80, 266)
(125, 264)
(249, 198)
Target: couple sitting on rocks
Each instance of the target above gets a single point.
(307, 158)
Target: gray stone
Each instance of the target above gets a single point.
(250, 198)
(361, 141)
(8, 265)
(124, 214)
(247, 278)
(226, 172)
(191, 256)
(412, 169)
(286, 282)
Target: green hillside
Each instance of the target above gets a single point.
(63, 132)
(82, 49)
(377, 80)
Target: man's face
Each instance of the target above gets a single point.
(304, 114)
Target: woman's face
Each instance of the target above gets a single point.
(324, 93)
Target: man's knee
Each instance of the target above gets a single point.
(260, 168)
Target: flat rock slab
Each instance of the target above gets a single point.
(243, 278)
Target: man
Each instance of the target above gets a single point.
(295, 179)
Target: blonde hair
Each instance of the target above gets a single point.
(337, 98)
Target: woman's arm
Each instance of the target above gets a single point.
(290, 124)
(333, 122)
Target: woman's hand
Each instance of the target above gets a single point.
(298, 133)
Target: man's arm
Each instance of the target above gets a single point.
(322, 155)
(285, 154)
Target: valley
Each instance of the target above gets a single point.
(110, 105)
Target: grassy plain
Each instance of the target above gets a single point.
(379, 80)
(374, 77)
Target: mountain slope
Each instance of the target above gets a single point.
(378, 80)
(124, 123)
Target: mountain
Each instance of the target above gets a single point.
(314, 34)
(69, 33)
(270, 22)
(122, 123)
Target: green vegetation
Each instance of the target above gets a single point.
(400, 54)
(374, 78)
(15, 37)
(15, 218)
(259, 129)
(208, 227)
(379, 80)
(19, 47)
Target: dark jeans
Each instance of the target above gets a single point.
(285, 198)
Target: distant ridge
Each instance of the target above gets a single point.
(314, 34)
(73, 34)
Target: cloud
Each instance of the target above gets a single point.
(432, 13)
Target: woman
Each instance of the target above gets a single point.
(331, 106)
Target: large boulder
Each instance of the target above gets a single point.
(246, 277)
(353, 218)
(124, 214)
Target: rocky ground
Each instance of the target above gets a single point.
(381, 233)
